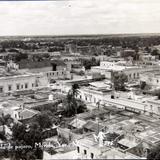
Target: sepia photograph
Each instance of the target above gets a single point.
(79, 79)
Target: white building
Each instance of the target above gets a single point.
(151, 78)
(19, 82)
(87, 148)
(106, 68)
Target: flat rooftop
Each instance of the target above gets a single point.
(9, 75)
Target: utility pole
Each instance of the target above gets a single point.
(98, 104)
(76, 116)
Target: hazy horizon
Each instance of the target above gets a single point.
(79, 17)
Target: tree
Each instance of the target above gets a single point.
(20, 56)
(155, 52)
(75, 90)
(19, 132)
(74, 105)
(26, 136)
(43, 121)
(88, 63)
(69, 105)
(154, 153)
(119, 80)
(142, 85)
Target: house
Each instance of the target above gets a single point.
(25, 114)
(15, 81)
(88, 148)
(151, 78)
(51, 69)
(77, 123)
(92, 126)
(132, 71)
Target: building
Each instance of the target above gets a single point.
(133, 72)
(154, 107)
(55, 69)
(14, 81)
(151, 78)
(89, 148)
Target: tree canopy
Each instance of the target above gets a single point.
(154, 153)
(119, 80)
(74, 105)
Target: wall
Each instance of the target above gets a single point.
(60, 74)
(22, 80)
(105, 72)
(153, 107)
(39, 70)
(89, 150)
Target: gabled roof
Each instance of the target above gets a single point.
(28, 113)
(77, 123)
(93, 126)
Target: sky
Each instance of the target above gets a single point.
(67, 17)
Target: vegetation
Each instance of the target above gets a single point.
(89, 63)
(6, 120)
(154, 154)
(43, 120)
(155, 52)
(23, 136)
(119, 80)
(143, 85)
(72, 104)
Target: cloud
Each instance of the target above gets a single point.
(79, 17)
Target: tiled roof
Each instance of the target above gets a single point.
(93, 126)
(78, 123)
(28, 113)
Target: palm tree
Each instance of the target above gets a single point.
(72, 105)
(69, 107)
(75, 90)
(3, 121)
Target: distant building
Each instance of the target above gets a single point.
(107, 68)
(151, 78)
(88, 148)
(12, 82)
(55, 69)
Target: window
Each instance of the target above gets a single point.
(57, 73)
(1, 89)
(22, 86)
(157, 81)
(80, 97)
(9, 87)
(92, 155)
(18, 86)
(32, 84)
(78, 150)
(85, 152)
(26, 85)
